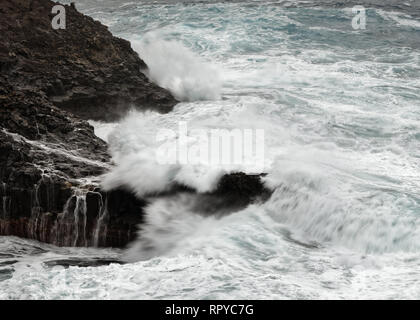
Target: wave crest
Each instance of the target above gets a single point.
(178, 69)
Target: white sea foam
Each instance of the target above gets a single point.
(309, 202)
(134, 147)
(399, 18)
(342, 144)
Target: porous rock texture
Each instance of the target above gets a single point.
(51, 82)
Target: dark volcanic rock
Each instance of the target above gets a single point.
(48, 163)
(50, 158)
(51, 81)
(234, 191)
(82, 68)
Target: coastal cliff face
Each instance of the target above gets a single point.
(51, 82)
(82, 68)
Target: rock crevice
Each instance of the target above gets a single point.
(51, 82)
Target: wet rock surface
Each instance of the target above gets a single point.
(51, 82)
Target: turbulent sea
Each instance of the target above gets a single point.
(341, 113)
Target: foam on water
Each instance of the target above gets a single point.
(178, 69)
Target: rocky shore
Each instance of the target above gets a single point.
(51, 83)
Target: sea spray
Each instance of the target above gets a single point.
(170, 226)
(343, 220)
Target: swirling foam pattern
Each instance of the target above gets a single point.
(341, 110)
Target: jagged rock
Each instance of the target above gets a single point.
(82, 68)
(233, 192)
(51, 81)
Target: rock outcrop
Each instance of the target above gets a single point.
(82, 68)
(51, 82)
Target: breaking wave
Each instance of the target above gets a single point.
(178, 69)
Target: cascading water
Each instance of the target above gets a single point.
(340, 112)
(71, 227)
(5, 206)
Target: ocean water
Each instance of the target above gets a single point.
(341, 113)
